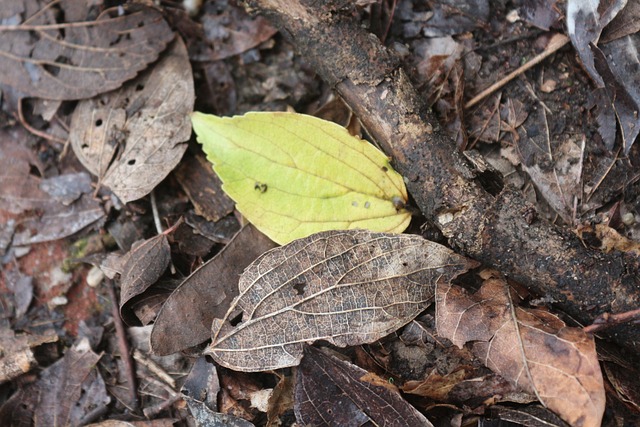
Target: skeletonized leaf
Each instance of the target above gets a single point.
(349, 395)
(79, 58)
(133, 137)
(293, 175)
(531, 348)
(345, 287)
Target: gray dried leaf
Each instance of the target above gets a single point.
(345, 287)
(133, 137)
(45, 57)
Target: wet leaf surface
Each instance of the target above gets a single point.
(79, 57)
(185, 318)
(330, 391)
(532, 348)
(345, 287)
(133, 137)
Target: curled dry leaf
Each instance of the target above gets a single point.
(345, 287)
(330, 391)
(531, 348)
(133, 137)
(45, 58)
(146, 262)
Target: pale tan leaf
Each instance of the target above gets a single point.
(345, 287)
(133, 137)
(531, 348)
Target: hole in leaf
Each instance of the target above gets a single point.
(54, 70)
(131, 162)
(140, 24)
(404, 264)
(385, 169)
(299, 287)
(235, 320)
(98, 122)
(85, 146)
(139, 87)
(34, 171)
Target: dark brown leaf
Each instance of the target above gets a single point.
(204, 188)
(329, 391)
(79, 58)
(346, 287)
(145, 264)
(185, 318)
(202, 383)
(133, 137)
(626, 22)
(531, 348)
(281, 402)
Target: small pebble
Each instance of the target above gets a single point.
(58, 301)
(95, 277)
(628, 219)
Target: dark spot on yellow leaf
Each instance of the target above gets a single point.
(261, 187)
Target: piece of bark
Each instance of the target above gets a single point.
(492, 226)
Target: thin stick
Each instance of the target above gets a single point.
(123, 346)
(35, 131)
(557, 41)
(156, 215)
(607, 320)
(154, 368)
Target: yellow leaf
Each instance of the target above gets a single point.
(293, 175)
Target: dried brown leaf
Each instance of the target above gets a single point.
(145, 264)
(133, 137)
(330, 391)
(204, 187)
(16, 355)
(607, 239)
(79, 58)
(185, 318)
(346, 287)
(531, 348)
(64, 394)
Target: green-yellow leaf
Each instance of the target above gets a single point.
(293, 175)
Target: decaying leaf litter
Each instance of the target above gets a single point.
(579, 165)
